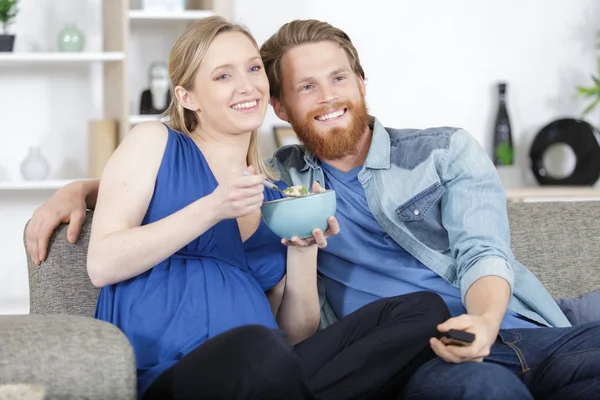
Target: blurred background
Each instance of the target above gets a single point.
(76, 75)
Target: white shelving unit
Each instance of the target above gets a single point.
(110, 77)
(187, 15)
(51, 184)
(10, 58)
(138, 119)
(100, 77)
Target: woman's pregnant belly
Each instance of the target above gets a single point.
(179, 304)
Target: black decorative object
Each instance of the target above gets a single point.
(147, 103)
(157, 97)
(583, 139)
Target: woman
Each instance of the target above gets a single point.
(194, 278)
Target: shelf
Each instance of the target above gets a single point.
(138, 119)
(187, 15)
(52, 57)
(50, 184)
(553, 192)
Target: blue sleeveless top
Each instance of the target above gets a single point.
(213, 284)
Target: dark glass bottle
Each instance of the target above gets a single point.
(503, 143)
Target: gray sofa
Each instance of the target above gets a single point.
(61, 346)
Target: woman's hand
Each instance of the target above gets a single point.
(240, 195)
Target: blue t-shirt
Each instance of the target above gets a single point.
(362, 263)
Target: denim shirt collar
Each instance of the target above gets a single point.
(379, 150)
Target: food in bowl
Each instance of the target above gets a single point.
(296, 191)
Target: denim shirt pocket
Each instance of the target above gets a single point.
(422, 217)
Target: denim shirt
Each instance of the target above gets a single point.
(438, 195)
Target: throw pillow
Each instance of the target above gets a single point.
(581, 309)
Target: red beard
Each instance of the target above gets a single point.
(337, 142)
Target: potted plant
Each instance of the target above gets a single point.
(8, 12)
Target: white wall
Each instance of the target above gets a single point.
(428, 63)
(435, 62)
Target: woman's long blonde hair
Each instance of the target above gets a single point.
(184, 60)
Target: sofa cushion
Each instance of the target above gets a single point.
(558, 242)
(72, 357)
(581, 309)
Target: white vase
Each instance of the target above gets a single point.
(35, 167)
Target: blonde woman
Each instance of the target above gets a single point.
(195, 279)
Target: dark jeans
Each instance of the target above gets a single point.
(537, 363)
(370, 354)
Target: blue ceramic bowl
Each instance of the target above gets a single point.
(298, 216)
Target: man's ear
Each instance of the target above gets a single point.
(279, 109)
(186, 99)
(362, 86)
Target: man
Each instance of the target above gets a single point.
(419, 210)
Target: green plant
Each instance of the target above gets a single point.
(592, 91)
(8, 12)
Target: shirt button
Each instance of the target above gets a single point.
(416, 211)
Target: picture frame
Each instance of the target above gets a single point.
(285, 135)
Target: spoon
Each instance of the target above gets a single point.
(267, 183)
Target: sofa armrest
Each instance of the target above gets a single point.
(72, 357)
(60, 285)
